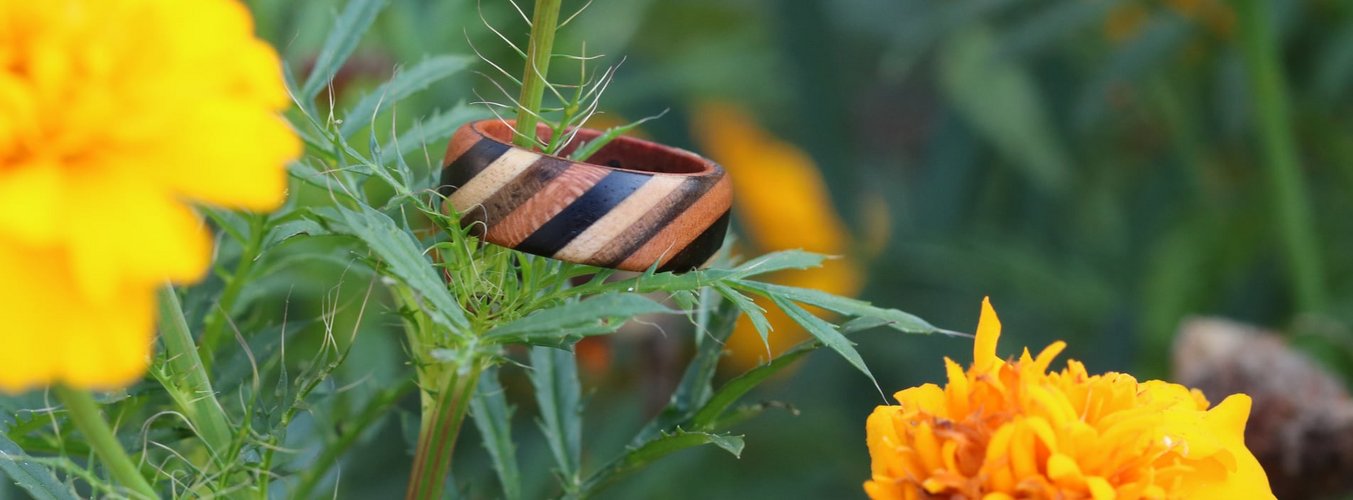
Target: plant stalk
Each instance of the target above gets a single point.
(1282, 165)
(437, 434)
(189, 376)
(544, 21)
(84, 412)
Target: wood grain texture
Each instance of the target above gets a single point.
(638, 205)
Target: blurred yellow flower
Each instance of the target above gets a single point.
(1009, 429)
(114, 114)
(1128, 19)
(783, 204)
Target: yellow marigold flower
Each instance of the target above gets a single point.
(783, 203)
(114, 114)
(1010, 429)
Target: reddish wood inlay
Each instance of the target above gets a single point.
(546, 203)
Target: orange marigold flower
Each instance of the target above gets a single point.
(1010, 429)
(114, 114)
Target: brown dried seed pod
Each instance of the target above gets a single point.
(1301, 427)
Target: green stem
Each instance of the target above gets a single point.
(213, 327)
(437, 434)
(189, 377)
(84, 412)
(1282, 165)
(544, 21)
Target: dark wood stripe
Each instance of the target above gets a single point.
(653, 222)
(515, 193)
(599, 200)
(701, 248)
(471, 163)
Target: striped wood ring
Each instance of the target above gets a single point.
(638, 204)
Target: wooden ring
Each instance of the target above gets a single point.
(637, 203)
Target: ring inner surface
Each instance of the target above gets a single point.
(622, 153)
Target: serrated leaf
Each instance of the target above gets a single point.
(737, 387)
(824, 332)
(754, 313)
(548, 325)
(433, 129)
(710, 416)
(356, 18)
(694, 389)
(554, 374)
(894, 318)
(639, 457)
(290, 229)
(493, 418)
(400, 251)
(38, 480)
(779, 261)
(404, 84)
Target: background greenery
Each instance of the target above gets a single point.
(1100, 168)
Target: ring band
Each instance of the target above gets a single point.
(640, 203)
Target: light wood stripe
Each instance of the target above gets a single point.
(548, 202)
(507, 167)
(606, 230)
(683, 229)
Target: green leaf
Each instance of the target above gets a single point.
(824, 332)
(708, 416)
(36, 479)
(356, 18)
(493, 418)
(754, 313)
(290, 229)
(894, 318)
(404, 84)
(600, 314)
(554, 374)
(399, 250)
(694, 389)
(431, 130)
(779, 261)
(639, 457)
(591, 147)
(998, 98)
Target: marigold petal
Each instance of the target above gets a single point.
(53, 332)
(168, 241)
(1100, 489)
(31, 205)
(242, 171)
(988, 333)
